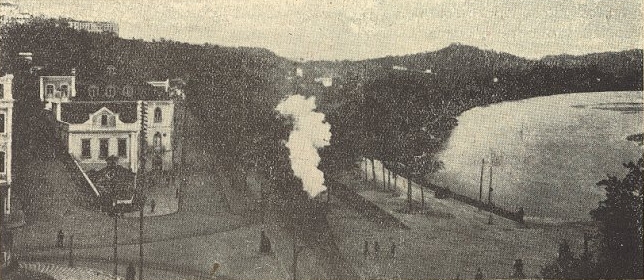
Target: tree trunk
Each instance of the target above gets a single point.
(388, 179)
(366, 169)
(373, 169)
(395, 181)
(409, 193)
(384, 182)
(422, 197)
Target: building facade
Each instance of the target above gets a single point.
(95, 26)
(133, 121)
(6, 121)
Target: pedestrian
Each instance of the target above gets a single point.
(176, 194)
(153, 204)
(366, 248)
(479, 274)
(130, 272)
(392, 252)
(264, 244)
(376, 247)
(60, 238)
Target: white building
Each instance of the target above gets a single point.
(109, 116)
(10, 12)
(6, 121)
(325, 81)
(95, 26)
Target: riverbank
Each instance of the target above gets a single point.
(447, 240)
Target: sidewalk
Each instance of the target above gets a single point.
(165, 202)
(448, 239)
(68, 273)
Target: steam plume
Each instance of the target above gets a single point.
(310, 132)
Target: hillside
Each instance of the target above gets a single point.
(392, 108)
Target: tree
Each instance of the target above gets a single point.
(561, 268)
(620, 214)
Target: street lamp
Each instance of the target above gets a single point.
(115, 215)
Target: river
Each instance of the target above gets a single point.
(547, 153)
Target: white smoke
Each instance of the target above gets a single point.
(310, 132)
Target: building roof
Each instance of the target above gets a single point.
(79, 112)
(123, 91)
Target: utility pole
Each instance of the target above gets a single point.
(71, 252)
(481, 181)
(489, 194)
(141, 239)
(141, 170)
(116, 264)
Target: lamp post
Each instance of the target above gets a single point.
(71, 252)
(116, 265)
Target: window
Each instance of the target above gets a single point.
(156, 141)
(110, 91)
(122, 147)
(157, 115)
(104, 147)
(2, 121)
(1, 91)
(86, 148)
(64, 89)
(2, 162)
(49, 91)
(93, 91)
(104, 120)
(128, 91)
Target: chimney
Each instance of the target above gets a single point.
(73, 71)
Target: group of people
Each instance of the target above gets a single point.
(375, 249)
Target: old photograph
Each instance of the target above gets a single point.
(310, 139)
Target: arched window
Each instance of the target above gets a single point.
(64, 89)
(93, 91)
(157, 115)
(128, 91)
(2, 162)
(49, 91)
(156, 141)
(110, 91)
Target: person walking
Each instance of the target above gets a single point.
(153, 204)
(479, 274)
(392, 251)
(130, 272)
(59, 239)
(264, 244)
(365, 251)
(376, 247)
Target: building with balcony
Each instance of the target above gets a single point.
(6, 120)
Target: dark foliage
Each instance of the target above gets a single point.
(620, 214)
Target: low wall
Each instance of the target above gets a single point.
(357, 201)
(446, 192)
(79, 176)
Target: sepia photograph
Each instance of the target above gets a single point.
(311, 139)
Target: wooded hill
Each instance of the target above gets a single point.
(375, 110)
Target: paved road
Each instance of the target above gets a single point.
(186, 243)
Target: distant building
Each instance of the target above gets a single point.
(399, 68)
(95, 26)
(6, 121)
(10, 12)
(325, 81)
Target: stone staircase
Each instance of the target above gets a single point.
(67, 273)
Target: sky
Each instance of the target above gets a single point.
(359, 29)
